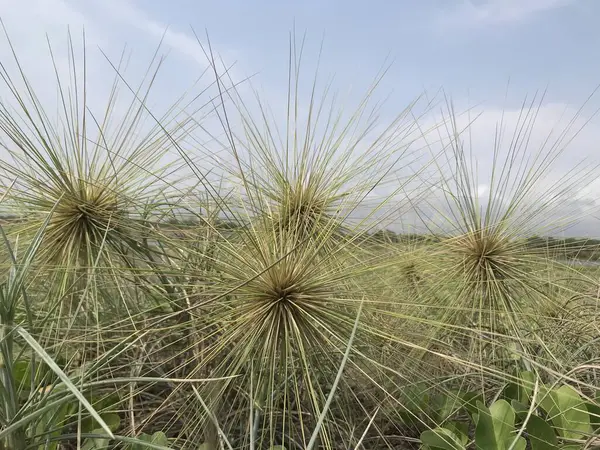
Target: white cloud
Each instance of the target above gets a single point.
(482, 190)
(485, 12)
(109, 33)
(571, 183)
(47, 25)
(115, 22)
(182, 43)
(109, 25)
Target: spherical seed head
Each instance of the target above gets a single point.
(485, 254)
(302, 209)
(84, 218)
(87, 216)
(283, 321)
(285, 293)
(289, 285)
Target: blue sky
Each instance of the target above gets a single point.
(469, 48)
(462, 45)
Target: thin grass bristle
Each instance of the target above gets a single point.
(257, 286)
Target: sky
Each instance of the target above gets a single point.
(486, 54)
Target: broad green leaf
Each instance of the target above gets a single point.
(528, 383)
(495, 428)
(54, 419)
(158, 438)
(520, 444)
(96, 443)
(541, 434)
(22, 372)
(446, 405)
(503, 417)
(103, 402)
(593, 409)
(521, 389)
(111, 419)
(520, 409)
(567, 411)
(415, 400)
(470, 403)
(460, 429)
(441, 439)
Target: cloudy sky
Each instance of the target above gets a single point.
(473, 49)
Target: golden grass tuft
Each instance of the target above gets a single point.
(271, 316)
(283, 319)
(491, 284)
(86, 218)
(97, 172)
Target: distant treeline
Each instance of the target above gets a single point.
(389, 236)
(572, 247)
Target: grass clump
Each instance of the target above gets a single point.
(280, 313)
(96, 172)
(291, 278)
(494, 285)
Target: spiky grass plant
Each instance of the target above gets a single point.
(107, 177)
(494, 285)
(91, 179)
(291, 276)
(279, 323)
(575, 321)
(52, 402)
(269, 304)
(98, 170)
(323, 165)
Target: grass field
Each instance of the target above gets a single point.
(259, 304)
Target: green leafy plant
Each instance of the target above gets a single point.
(559, 418)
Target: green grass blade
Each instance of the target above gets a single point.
(315, 434)
(63, 377)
